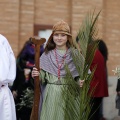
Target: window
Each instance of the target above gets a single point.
(43, 31)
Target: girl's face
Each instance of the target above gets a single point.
(60, 40)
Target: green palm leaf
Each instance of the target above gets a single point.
(78, 99)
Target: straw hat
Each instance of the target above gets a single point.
(60, 27)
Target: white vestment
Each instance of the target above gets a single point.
(7, 75)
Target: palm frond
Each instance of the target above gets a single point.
(26, 99)
(78, 99)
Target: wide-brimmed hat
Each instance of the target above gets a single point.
(60, 27)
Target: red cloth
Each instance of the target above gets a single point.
(100, 76)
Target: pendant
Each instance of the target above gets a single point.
(58, 82)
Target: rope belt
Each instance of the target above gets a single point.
(57, 83)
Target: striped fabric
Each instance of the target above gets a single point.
(48, 63)
(55, 99)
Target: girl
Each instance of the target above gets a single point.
(52, 72)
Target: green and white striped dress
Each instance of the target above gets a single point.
(53, 100)
(55, 96)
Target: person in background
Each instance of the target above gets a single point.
(98, 83)
(7, 76)
(104, 51)
(23, 80)
(118, 96)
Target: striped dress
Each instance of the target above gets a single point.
(53, 101)
(55, 95)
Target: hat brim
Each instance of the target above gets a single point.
(62, 32)
(51, 36)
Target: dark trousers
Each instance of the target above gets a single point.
(95, 110)
(23, 114)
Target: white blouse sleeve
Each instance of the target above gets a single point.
(12, 67)
(7, 62)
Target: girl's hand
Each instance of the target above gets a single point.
(81, 82)
(35, 72)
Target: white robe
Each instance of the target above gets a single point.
(7, 75)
